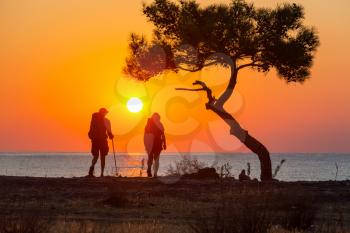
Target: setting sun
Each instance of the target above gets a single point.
(134, 104)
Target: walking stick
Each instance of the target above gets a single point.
(115, 161)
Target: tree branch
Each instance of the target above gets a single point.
(210, 64)
(235, 128)
(252, 64)
(189, 70)
(189, 89)
(229, 89)
(211, 98)
(204, 87)
(197, 69)
(232, 83)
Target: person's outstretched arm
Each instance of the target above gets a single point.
(109, 128)
(164, 140)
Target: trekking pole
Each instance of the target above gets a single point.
(115, 161)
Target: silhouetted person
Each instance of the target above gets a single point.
(100, 130)
(242, 176)
(154, 140)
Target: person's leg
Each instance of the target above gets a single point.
(149, 163)
(156, 163)
(104, 152)
(103, 159)
(92, 167)
(94, 152)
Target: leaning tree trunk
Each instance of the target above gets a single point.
(235, 129)
(263, 154)
(252, 143)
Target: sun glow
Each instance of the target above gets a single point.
(134, 104)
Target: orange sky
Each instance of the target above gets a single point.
(62, 60)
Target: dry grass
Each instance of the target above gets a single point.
(25, 223)
(248, 213)
(265, 211)
(188, 206)
(117, 197)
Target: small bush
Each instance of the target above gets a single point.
(185, 166)
(225, 170)
(248, 169)
(278, 168)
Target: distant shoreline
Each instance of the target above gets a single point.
(310, 167)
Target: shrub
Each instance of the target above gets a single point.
(185, 166)
(225, 170)
(278, 168)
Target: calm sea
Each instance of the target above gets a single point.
(308, 167)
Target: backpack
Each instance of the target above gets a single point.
(97, 127)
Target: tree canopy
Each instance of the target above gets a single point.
(259, 38)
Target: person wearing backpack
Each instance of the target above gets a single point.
(100, 131)
(154, 140)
